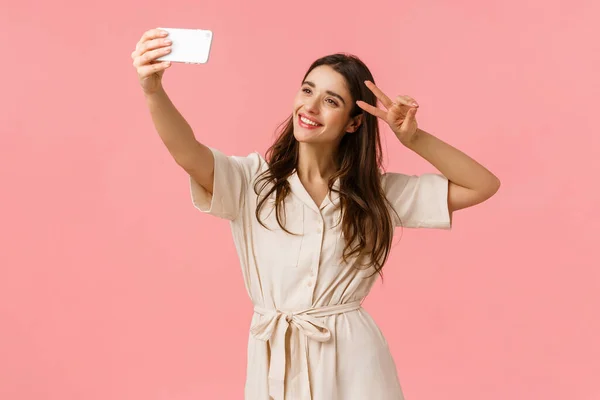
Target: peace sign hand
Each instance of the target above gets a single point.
(400, 114)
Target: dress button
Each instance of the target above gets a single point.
(310, 283)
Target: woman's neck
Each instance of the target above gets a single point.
(316, 162)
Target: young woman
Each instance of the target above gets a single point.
(313, 222)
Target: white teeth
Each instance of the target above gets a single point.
(307, 121)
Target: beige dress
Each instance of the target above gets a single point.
(309, 337)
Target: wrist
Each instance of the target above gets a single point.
(160, 92)
(155, 98)
(416, 139)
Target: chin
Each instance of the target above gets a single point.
(300, 138)
(304, 137)
(299, 134)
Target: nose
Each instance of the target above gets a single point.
(311, 106)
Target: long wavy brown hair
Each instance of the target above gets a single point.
(367, 226)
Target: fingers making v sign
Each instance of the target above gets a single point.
(399, 114)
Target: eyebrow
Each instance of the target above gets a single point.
(329, 92)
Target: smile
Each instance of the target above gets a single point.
(307, 123)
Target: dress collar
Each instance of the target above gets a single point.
(300, 191)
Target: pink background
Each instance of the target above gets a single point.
(112, 286)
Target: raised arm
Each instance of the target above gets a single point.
(177, 135)
(470, 183)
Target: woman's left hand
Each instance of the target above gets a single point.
(400, 114)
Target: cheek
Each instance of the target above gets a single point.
(297, 103)
(334, 118)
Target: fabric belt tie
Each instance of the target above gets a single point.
(273, 328)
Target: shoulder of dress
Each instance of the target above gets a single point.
(252, 164)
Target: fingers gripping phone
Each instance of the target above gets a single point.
(190, 46)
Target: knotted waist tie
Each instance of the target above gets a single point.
(274, 327)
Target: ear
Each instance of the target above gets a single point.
(354, 124)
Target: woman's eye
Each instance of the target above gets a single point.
(331, 101)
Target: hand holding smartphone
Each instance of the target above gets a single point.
(190, 46)
(157, 48)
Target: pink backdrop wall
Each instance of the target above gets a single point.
(112, 286)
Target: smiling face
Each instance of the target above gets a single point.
(322, 108)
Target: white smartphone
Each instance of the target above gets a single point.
(190, 46)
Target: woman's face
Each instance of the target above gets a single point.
(325, 100)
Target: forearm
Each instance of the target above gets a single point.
(453, 163)
(173, 129)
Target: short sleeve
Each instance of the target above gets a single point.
(420, 201)
(232, 175)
